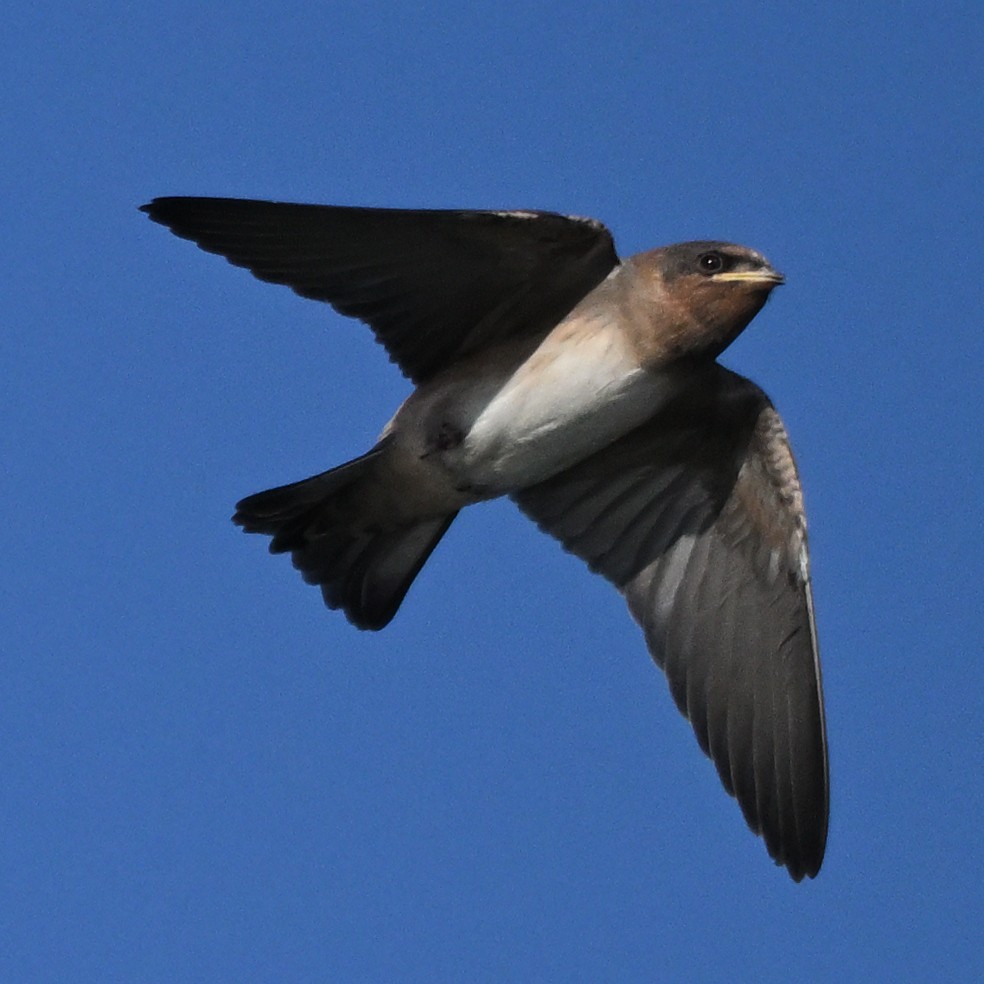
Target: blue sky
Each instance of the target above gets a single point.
(207, 776)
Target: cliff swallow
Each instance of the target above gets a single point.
(587, 389)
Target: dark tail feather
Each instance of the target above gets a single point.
(272, 511)
(368, 575)
(364, 572)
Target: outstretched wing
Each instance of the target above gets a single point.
(434, 285)
(697, 517)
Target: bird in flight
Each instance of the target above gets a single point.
(586, 388)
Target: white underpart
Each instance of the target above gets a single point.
(573, 396)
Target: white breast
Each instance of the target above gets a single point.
(579, 391)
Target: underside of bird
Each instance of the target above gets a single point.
(694, 512)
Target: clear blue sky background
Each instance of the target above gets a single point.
(208, 777)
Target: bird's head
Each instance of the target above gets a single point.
(709, 290)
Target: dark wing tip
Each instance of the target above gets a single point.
(806, 866)
(802, 855)
(167, 211)
(156, 207)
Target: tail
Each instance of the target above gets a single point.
(364, 571)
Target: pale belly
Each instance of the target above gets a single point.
(568, 400)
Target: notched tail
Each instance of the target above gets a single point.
(362, 569)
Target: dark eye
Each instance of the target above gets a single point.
(710, 263)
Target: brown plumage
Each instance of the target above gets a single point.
(586, 388)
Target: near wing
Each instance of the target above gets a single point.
(697, 518)
(434, 285)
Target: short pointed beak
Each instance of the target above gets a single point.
(764, 276)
